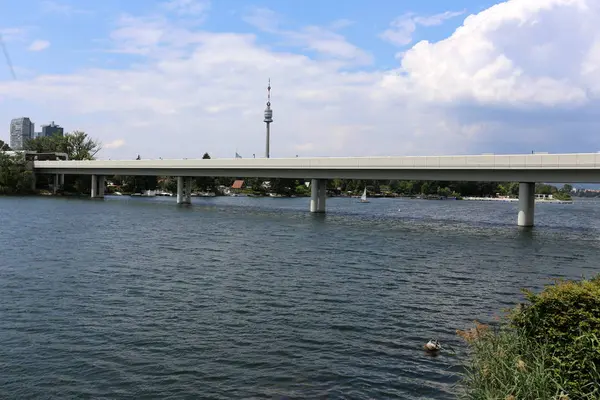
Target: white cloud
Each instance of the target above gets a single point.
(264, 19)
(115, 144)
(401, 29)
(188, 7)
(437, 19)
(321, 40)
(54, 7)
(518, 76)
(38, 45)
(13, 34)
(305, 146)
(517, 53)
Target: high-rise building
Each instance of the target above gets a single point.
(21, 130)
(52, 129)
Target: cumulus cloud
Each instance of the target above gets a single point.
(515, 77)
(38, 45)
(517, 53)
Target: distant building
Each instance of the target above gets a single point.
(52, 130)
(238, 185)
(37, 134)
(21, 130)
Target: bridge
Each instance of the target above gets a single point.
(527, 169)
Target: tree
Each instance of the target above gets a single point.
(77, 145)
(47, 144)
(4, 146)
(566, 188)
(542, 188)
(81, 147)
(426, 188)
(205, 183)
(15, 178)
(283, 186)
(513, 188)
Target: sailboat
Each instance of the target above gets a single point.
(363, 198)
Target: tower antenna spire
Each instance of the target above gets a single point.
(268, 119)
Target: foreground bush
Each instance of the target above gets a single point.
(547, 348)
(14, 176)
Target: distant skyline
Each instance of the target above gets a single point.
(177, 78)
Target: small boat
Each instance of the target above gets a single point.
(363, 198)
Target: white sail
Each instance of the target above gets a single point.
(364, 195)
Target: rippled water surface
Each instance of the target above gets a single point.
(256, 298)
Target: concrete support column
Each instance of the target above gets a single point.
(188, 190)
(318, 193)
(322, 195)
(56, 183)
(94, 186)
(526, 204)
(314, 195)
(101, 184)
(62, 180)
(98, 186)
(33, 181)
(184, 190)
(180, 190)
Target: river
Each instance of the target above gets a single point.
(256, 298)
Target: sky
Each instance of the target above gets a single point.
(177, 78)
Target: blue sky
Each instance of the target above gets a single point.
(78, 30)
(175, 78)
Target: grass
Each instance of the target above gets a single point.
(548, 348)
(505, 365)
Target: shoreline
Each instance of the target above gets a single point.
(45, 193)
(514, 200)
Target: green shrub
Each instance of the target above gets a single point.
(562, 196)
(565, 317)
(15, 178)
(547, 348)
(302, 190)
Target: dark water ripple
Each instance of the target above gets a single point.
(256, 298)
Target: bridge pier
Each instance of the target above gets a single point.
(101, 184)
(318, 192)
(526, 204)
(97, 187)
(56, 183)
(184, 190)
(94, 188)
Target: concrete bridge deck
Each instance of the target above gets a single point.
(523, 168)
(578, 167)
